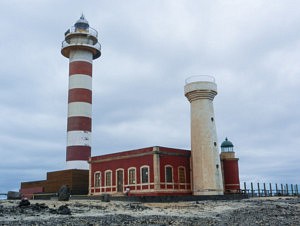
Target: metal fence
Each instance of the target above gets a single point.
(3, 196)
(269, 189)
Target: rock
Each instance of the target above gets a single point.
(64, 193)
(106, 198)
(64, 210)
(53, 211)
(39, 207)
(24, 203)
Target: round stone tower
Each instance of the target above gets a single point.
(81, 46)
(206, 168)
(230, 168)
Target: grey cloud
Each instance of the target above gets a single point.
(148, 49)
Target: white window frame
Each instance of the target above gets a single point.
(169, 182)
(132, 168)
(95, 179)
(141, 174)
(184, 171)
(105, 179)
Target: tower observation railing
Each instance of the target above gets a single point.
(200, 78)
(90, 31)
(81, 42)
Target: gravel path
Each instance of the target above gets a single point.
(270, 211)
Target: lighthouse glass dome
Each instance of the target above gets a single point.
(227, 146)
(82, 23)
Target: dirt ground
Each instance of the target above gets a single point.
(254, 211)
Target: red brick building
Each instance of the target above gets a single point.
(152, 171)
(76, 179)
(147, 171)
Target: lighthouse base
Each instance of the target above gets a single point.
(208, 192)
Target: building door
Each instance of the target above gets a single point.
(120, 181)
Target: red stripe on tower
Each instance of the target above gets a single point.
(80, 95)
(80, 67)
(79, 123)
(81, 47)
(77, 153)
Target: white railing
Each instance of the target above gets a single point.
(81, 42)
(200, 78)
(90, 31)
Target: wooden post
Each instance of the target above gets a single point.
(276, 189)
(258, 190)
(271, 190)
(245, 187)
(287, 189)
(281, 189)
(265, 191)
(297, 189)
(252, 191)
(292, 189)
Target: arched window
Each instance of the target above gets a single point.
(97, 179)
(169, 174)
(145, 174)
(132, 175)
(181, 174)
(108, 178)
(120, 180)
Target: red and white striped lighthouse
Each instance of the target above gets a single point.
(81, 46)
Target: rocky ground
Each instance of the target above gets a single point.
(255, 211)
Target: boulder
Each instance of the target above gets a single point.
(64, 193)
(24, 202)
(64, 210)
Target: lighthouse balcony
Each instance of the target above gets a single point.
(200, 78)
(200, 87)
(75, 30)
(81, 43)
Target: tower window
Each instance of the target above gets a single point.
(212, 119)
(215, 143)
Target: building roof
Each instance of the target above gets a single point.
(142, 151)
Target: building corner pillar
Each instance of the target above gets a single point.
(156, 168)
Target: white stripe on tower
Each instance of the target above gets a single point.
(80, 81)
(80, 109)
(79, 138)
(81, 47)
(81, 55)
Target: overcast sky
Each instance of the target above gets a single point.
(149, 48)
